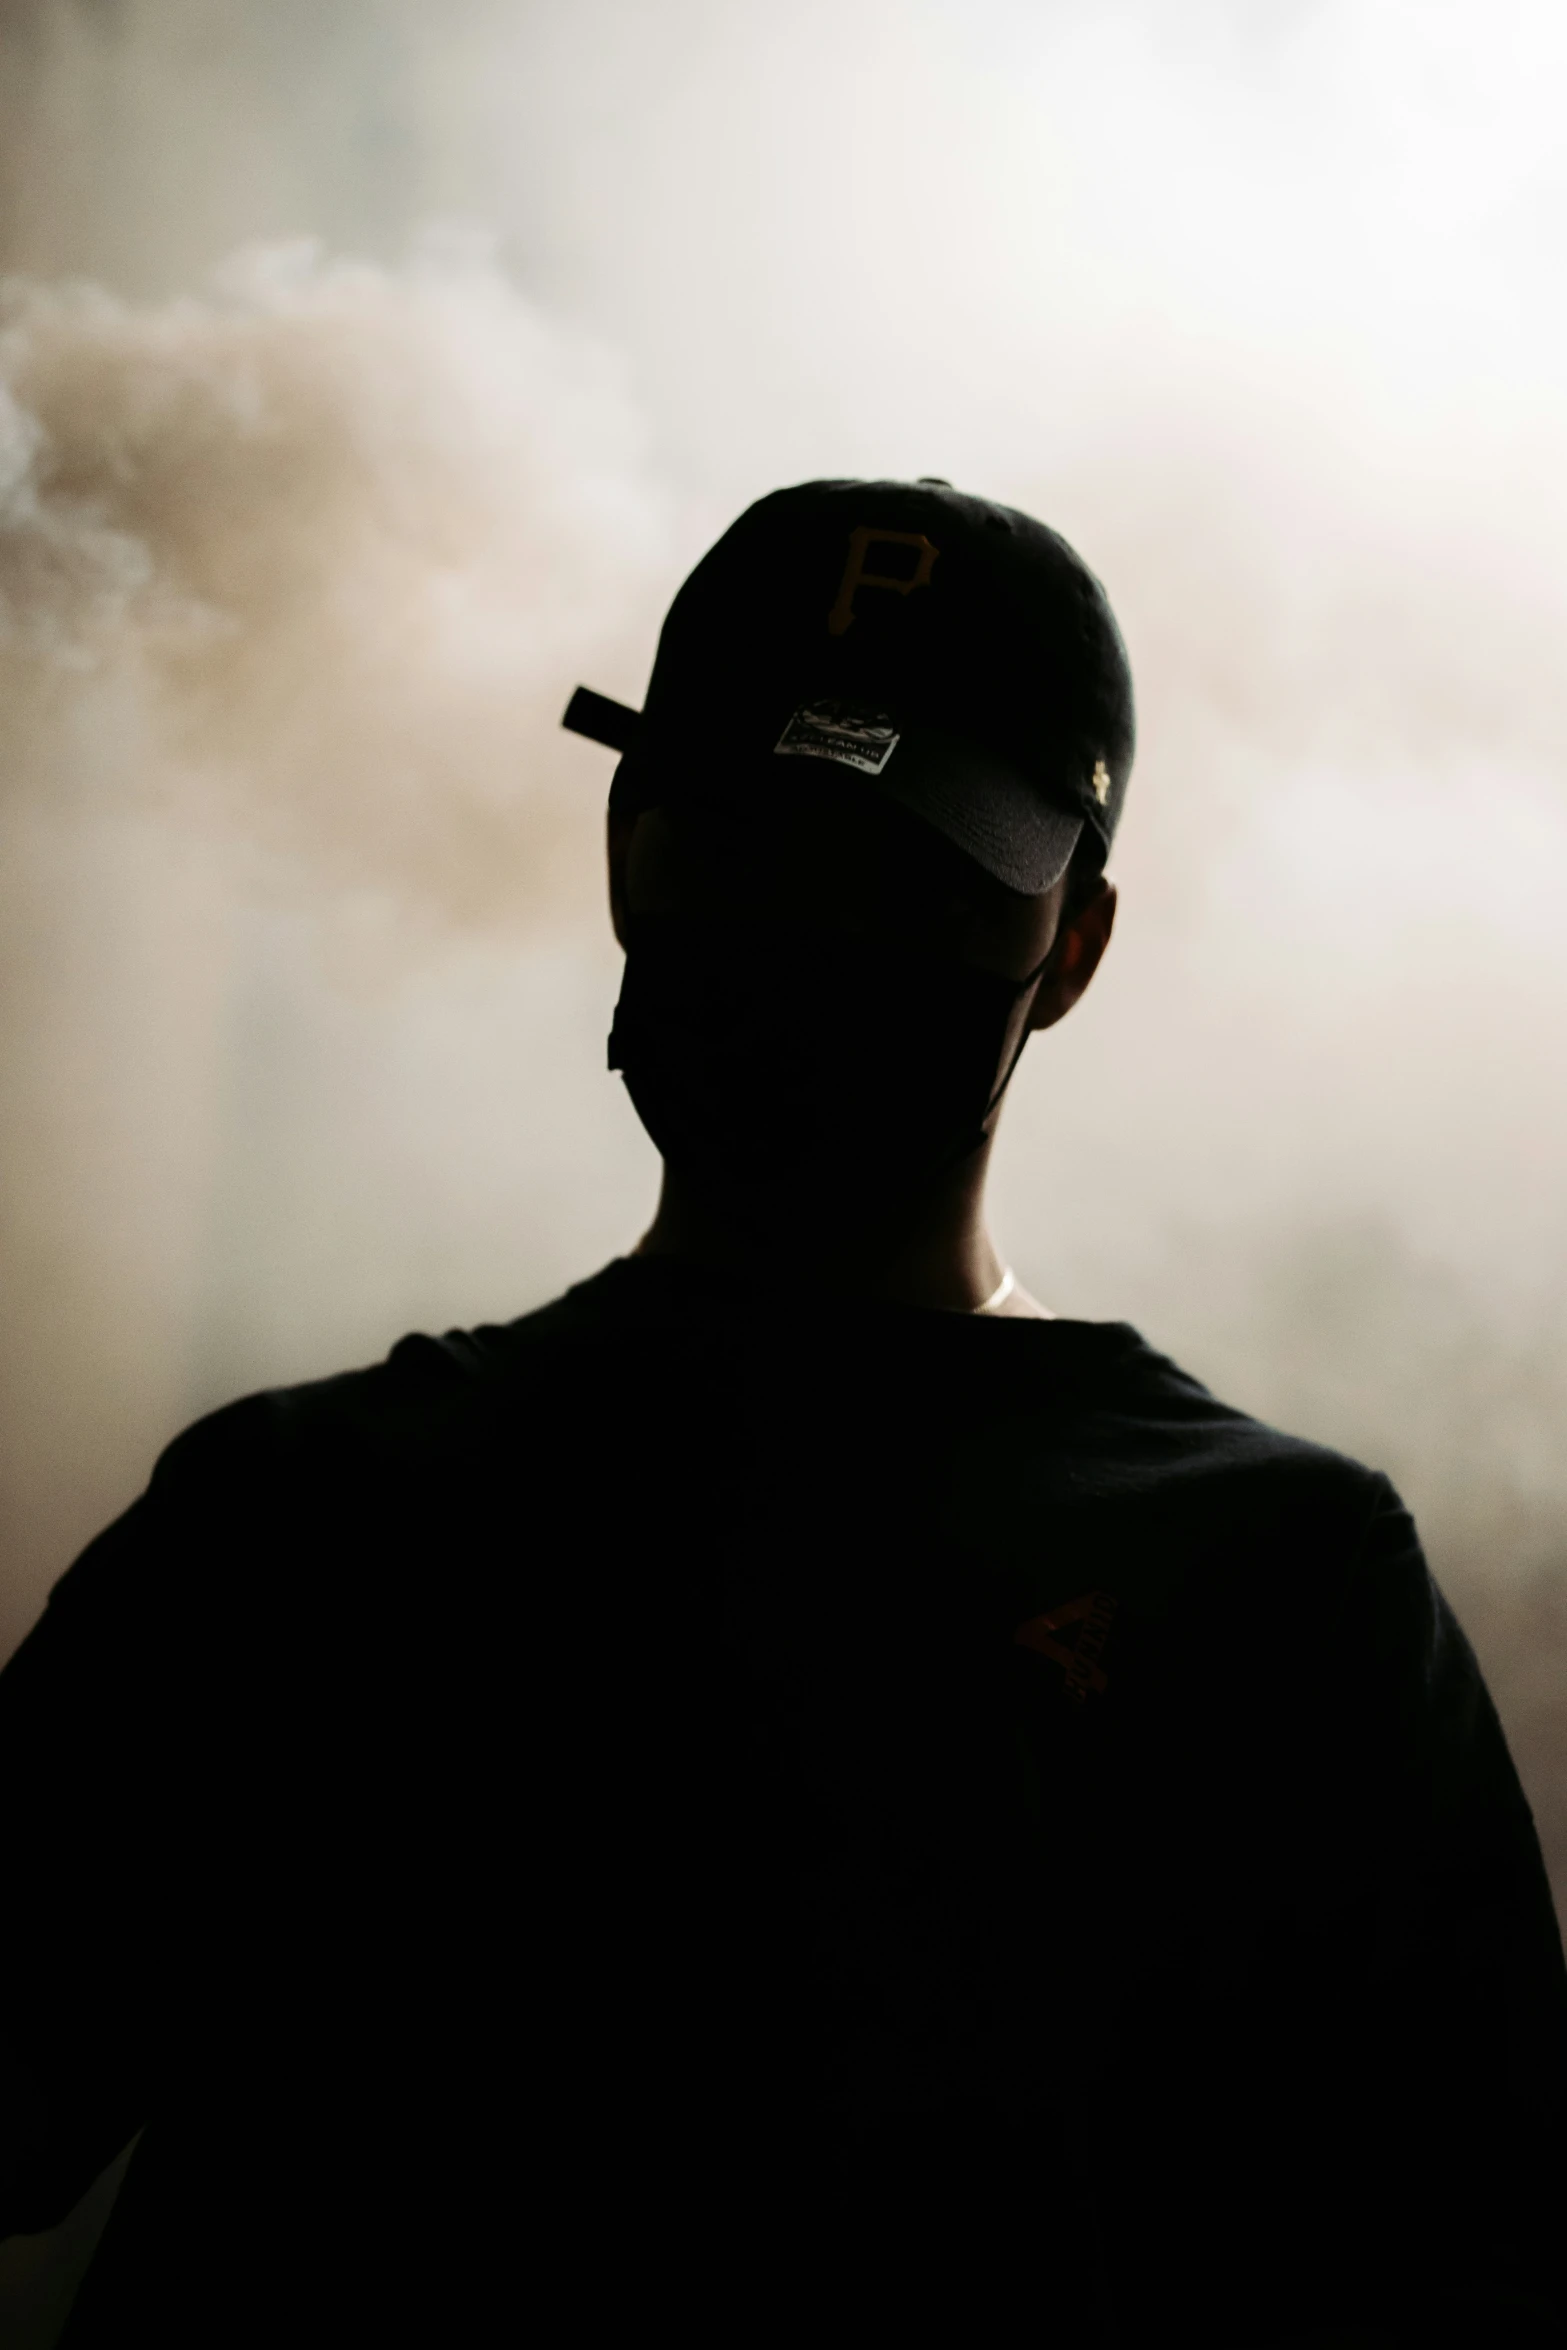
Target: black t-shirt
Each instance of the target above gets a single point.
(776, 1823)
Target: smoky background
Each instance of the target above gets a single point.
(371, 375)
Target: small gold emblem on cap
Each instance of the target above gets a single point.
(855, 575)
(1101, 782)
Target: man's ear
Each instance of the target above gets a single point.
(618, 831)
(1075, 957)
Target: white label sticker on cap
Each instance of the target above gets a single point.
(860, 738)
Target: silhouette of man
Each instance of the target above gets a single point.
(791, 1795)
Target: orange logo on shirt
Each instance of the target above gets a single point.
(1094, 1613)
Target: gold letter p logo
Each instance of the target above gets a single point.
(855, 575)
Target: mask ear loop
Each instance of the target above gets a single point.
(977, 1140)
(1021, 989)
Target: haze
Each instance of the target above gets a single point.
(374, 374)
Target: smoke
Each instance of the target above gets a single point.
(306, 981)
(328, 543)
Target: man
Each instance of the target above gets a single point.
(792, 1795)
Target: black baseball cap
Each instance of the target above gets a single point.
(956, 655)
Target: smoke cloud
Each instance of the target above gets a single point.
(326, 543)
(302, 551)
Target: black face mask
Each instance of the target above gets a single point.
(766, 1056)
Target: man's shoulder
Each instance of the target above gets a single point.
(427, 1388)
(1144, 1462)
(1172, 1424)
(1102, 1390)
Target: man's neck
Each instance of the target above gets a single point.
(936, 1253)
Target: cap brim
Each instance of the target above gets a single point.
(984, 807)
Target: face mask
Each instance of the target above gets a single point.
(761, 1057)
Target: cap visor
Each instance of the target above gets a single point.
(974, 799)
(986, 808)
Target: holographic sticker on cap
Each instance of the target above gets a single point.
(860, 738)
